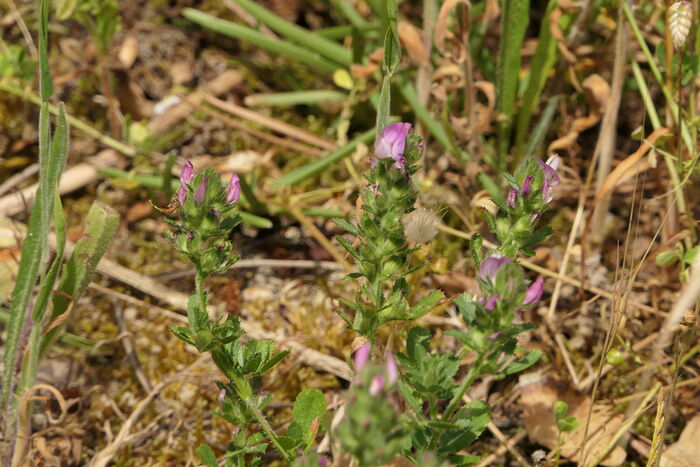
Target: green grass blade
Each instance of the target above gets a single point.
(540, 130)
(31, 362)
(27, 274)
(281, 99)
(100, 226)
(45, 83)
(66, 338)
(318, 166)
(44, 194)
(272, 45)
(329, 49)
(514, 21)
(347, 9)
(543, 60)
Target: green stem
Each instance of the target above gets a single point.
(473, 373)
(267, 429)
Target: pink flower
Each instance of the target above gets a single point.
(527, 186)
(185, 177)
(534, 292)
(392, 143)
(233, 192)
(376, 385)
(511, 197)
(361, 356)
(491, 302)
(201, 190)
(490, 266)
(551, 177)
(392, 371)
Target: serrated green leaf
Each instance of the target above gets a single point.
(309, 404)
(472, 419)
(206, 455)
(425, 305)
(524, 363)
(350, 228)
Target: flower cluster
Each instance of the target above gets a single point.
(381, 250)
(208, 212)
(531, 191)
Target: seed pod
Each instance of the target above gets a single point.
(680, 15)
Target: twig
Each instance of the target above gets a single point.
(130, 348)
(271, 123)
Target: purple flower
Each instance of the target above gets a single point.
(233, 192)
(551, 177)
(376, 385)
(534, 292)
(527, 186)
(361, 356)
(511, 197)
(491, 302)
(392, 371)
(490, 266)
(185, 177)
(400, 163)
(392, 142)
(201, 190)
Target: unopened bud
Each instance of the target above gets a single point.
(680, 16)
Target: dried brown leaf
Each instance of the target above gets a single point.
(538, 395)
(410, 37)
(686, 451)
(633, 164)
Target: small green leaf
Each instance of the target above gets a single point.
(524, 363)
(425, 305)
(560, 409)
(309, 404)
(472, 419)
(347, 226)
(206, 455)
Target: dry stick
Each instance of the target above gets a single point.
(16, 179)
(23, 28)
(292, 145)
(320, 238)
(490, 459)
(606, 140)
(503, 439)
(130, 349)
(271, 123)
(124, 437)
(222, 84)
(72, 179)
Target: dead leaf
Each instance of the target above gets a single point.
(633, 164)
(597, 93)
(686, 451)
(412, 41)
(538, 395)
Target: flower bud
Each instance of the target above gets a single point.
(680, 16)
(551, 178)
(392, 371)
(361, 356)
(199, 195)
(511, 197)
(233, 192)
(534, 292)
(185, 177)
(527, 186)
(376, 385)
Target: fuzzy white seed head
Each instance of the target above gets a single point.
(421, 226)
(680, 16)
